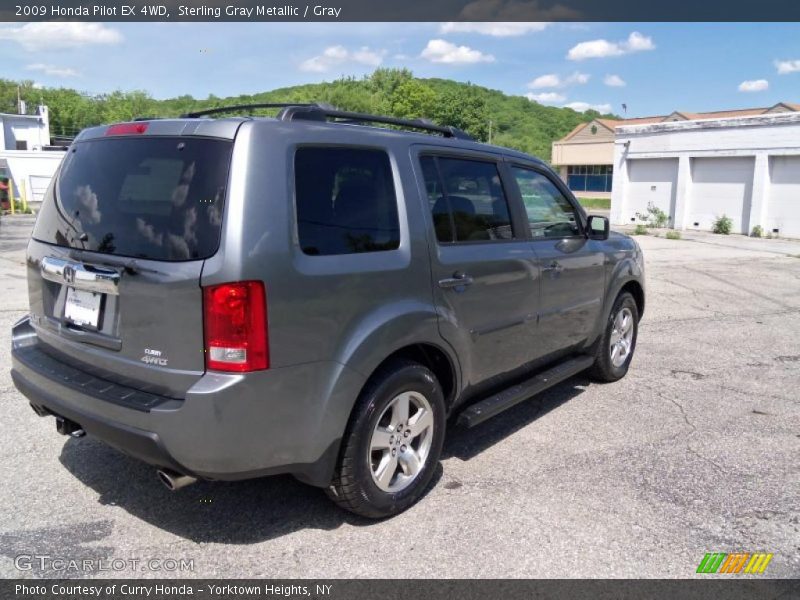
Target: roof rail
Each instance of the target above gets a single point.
(316, 112)
(235, 107)
(292, 111)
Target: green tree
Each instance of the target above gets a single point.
(412, 99)
(464, 108)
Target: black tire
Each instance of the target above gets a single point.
(603, 368)
(353, 486)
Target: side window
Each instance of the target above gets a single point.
(346, 201)
(466, 199)
(550, 214)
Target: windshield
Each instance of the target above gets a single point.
(145, 197)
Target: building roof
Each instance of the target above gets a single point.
(721, 114)
(16, 116)
(677, 115)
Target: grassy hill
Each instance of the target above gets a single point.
(512, 121)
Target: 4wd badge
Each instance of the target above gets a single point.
(153, 357)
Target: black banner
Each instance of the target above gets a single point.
(406, 10)
(441, 589)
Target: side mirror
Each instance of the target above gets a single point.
(597, 227)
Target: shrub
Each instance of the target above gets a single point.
(640, 230)
(654, 216)
(673, 235)
(723, 225)
(758, 231)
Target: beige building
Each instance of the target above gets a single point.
(584, 158)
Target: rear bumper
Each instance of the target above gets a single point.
(141, 444)
(227, 427)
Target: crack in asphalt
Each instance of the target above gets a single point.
(729, 388)
(683, 412)
(693, 428)
(719, 316)
(738, 247)
(738, 286)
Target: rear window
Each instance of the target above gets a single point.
(154, 198)
(346, 202)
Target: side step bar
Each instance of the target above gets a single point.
(494, 405)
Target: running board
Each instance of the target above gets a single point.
(494, 405)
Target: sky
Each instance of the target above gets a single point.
(653, 68)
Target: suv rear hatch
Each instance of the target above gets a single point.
(117, 253)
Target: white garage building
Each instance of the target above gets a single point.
(747, 168)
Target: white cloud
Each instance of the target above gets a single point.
(333, 56)
(53, 70)
(508, 29)
(58, 35)
(584, 106)
(787, 66)
(755, 85)
(440, 51)
(551, 80)
(614, 81)
(636, 42)
(546, 97)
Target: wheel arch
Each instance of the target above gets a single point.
(637, 291)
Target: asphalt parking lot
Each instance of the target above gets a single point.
(695, 451)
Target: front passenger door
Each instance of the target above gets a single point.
(572, 266)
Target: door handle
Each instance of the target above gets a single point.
(457, 280)
(553, 267)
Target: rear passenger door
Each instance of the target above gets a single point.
(572, 266)
(485, 280)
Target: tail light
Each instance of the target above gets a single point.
(235, 322)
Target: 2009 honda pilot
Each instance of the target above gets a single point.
(227, 298)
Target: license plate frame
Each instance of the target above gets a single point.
(83, 308)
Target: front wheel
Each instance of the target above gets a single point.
(392, 444)
(616, 346)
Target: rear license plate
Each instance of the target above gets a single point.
(83, 308)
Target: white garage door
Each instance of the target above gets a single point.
(783, 203)
(720, 186)
(650, 181)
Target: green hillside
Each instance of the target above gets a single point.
(512, 121)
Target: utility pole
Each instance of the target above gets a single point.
(490, 131)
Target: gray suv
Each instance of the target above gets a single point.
(318, 293)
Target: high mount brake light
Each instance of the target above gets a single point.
(127, 128)
(235, 324)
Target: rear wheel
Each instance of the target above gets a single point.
(615, 349)
(393, 442)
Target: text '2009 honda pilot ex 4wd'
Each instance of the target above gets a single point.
(315, 294)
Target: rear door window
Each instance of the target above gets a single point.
(145, 197)
(466, 199)
(346, 201)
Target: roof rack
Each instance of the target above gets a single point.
(316, 112)
(292, 111)
(235, 107)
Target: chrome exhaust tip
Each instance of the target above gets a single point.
(174, 481)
